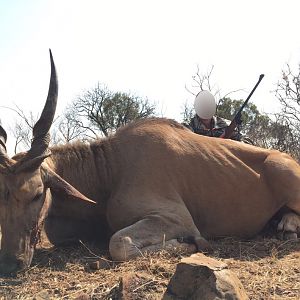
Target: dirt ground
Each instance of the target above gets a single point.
(267, 267)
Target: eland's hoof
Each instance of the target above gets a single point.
(203, 245)
(290, 235)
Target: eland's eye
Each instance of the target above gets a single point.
(37, 197)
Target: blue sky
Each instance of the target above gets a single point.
(150, 48)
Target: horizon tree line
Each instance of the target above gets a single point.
(99, 112)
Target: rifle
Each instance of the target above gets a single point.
(237, 118)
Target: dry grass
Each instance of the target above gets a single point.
(268, 269)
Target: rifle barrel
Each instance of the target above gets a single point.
(229, 130)
(261, 76)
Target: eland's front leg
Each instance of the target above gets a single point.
(153, 233)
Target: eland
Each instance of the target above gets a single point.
(150, 185)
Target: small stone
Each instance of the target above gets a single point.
(42, 295)
(82, 296)
(130, 285)
(99, 264)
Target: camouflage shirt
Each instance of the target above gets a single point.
(217, 127)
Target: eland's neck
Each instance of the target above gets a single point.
(85, 166)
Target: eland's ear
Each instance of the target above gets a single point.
(26, 164)
(60, 186)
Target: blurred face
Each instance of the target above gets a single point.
(205, 105)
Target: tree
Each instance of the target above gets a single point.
(99, 111)
(251, 119)
(288, 94)
(226, 107)
(201, 82)
(22, 128)
(68, 128)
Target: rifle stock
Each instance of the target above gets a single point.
(230, 129)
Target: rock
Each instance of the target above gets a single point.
(133, 285)
(42, 295)
(82, 296)
(202, 277)
(99, 264)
